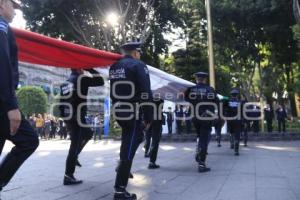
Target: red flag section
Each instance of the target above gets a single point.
(38, 49)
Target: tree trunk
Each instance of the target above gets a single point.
(291, 96)
(291, 93)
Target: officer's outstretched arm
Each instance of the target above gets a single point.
(7, 92)
(95, 80)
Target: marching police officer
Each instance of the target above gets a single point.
(130, 88)
(269, 115)
(202, 96)
(281, 117)
(170, 120)
(233, 110)
(13, 125)
(179, 118)
(75, 91)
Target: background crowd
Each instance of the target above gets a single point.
(49, 127)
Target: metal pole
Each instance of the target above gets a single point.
(210, 46)
(262, 115)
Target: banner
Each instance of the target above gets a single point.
(38, 49)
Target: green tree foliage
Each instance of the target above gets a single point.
(32, 100)
(256, 38)
(194, 57)
(166, 18)
(86, 22)
(54, 107)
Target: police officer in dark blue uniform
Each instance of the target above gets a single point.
(205, 102)
(281, 117)
(179, 118)
(170, 120)
(75, 92)
(233, 110)
(13, 126)
(130, 88)
(269, 116)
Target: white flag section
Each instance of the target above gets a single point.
(169, 87)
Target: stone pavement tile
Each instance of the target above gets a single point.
(95, 192)
(294, 184)
(244, 165)
(267, 166)
(206, 187)
(288, 163)
(21, 190)
(70, 189)
(11, 193)
(238, 186)
(158, 196)
(272, 182)
(42, 196)
(142, 185)
(275, 194)
(177, 185)
(234, 193)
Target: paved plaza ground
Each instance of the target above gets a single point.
(263, 171)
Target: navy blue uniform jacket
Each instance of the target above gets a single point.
(137, 89)
(9, 73)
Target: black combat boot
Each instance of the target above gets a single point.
(202, 168)
(71, 180)
(153, 166)
(122, 194)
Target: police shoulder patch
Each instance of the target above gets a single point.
(3, 26)
(66, 88)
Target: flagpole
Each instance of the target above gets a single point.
(210, 46)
